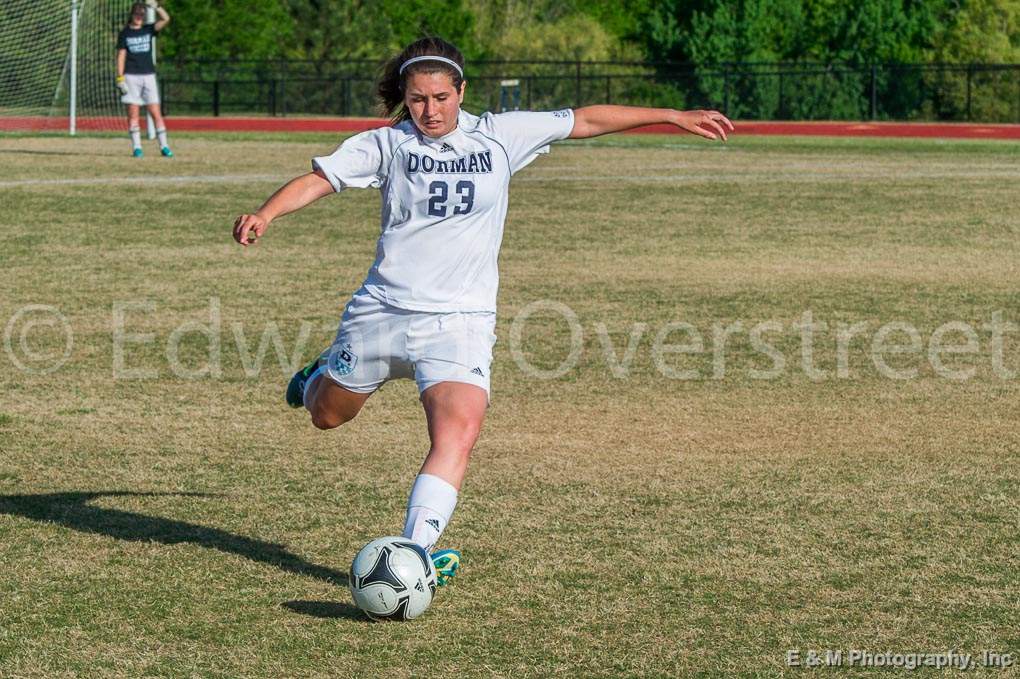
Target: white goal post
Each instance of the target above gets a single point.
(58, 63)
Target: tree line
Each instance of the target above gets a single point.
(695, 31)
(719, 41)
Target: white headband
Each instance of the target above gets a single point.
(415, 60)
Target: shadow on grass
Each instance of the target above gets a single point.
(41, 153)
(72, 510)
(326, 609)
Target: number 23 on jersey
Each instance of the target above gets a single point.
(440, 198)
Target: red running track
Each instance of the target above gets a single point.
(238, 124)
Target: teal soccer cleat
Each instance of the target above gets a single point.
(296, 388)
(167, 153)
(137, 153)
(446, 563)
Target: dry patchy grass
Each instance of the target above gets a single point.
(612, 526)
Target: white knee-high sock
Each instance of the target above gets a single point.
(429, 510)
(136, 138)
(161, 135)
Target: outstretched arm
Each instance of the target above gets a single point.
(592, 121)
(292, 196)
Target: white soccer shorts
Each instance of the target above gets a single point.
(142, 89)
(377, 342)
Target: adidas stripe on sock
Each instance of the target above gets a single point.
(429, 509)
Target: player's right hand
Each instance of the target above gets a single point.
(249, 228)
(122, 84)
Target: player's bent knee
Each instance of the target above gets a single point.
(331, 405)
(324, 418)
(325, 421)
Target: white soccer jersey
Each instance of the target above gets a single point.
(444, 202)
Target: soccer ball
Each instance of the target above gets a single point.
(392, 579)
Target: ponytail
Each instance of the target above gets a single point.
(391, 83)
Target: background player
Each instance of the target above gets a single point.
(136, 73)
(427, 308)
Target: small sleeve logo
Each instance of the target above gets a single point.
(343, 360)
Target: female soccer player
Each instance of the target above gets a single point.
(136, 73)
(428, 306)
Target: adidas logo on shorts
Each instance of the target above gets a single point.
(478, 371)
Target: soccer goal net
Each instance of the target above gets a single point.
(58, 62)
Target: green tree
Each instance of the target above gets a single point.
(869, 31)
(751, 30)
(553, 30)
(227, 29)
(665, 25)
(981, 32)
(451, 20)
(574, 37)
(622, 19)
(336, 30)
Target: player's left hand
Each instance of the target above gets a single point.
(249, 228)
(707, 124)
(152, 3)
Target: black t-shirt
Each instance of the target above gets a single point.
(138, 43)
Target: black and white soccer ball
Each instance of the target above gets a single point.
(392, 579)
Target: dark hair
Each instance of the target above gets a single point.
(134, 7)
(391, 83)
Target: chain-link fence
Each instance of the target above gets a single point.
(748, 91)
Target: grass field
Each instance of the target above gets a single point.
(621, 519)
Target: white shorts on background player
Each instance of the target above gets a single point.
(142, 89)
(377, 342)
(427, 307)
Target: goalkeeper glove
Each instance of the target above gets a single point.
(122, 84)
